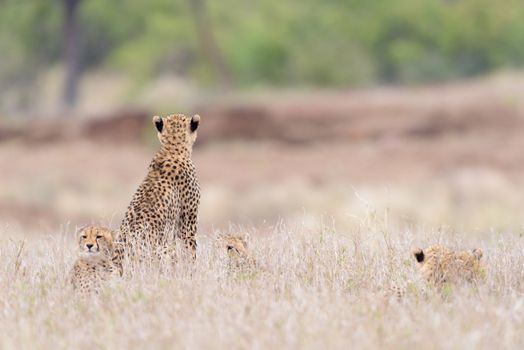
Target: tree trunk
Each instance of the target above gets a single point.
(208, 43)
(71, 53)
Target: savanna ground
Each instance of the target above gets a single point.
(331, 217)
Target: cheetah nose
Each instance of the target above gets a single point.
(89, 246)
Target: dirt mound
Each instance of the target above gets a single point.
(361, 115)
(125, 126)
(475, 108)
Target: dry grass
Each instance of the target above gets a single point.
(323, 274)
(318, 288)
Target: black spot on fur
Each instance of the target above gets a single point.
(159, 125)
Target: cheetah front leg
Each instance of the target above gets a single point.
(118, 257)
(187, 230)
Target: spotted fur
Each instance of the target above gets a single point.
(439, 265)
(165, 206)
(98, 259)
(396, 291)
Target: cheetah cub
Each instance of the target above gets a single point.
(239, 255)
(439, 265)
(100, 258)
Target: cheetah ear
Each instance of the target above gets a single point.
(419, 255)
(194, 122)
(79, 232)
(159, 123)
(477, 253)
(79, 229)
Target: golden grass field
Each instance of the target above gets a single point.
(315, 288)
(331, 225)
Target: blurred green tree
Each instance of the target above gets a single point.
(206, 36)
(247, 43)
(71, 52)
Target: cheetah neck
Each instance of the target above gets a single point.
(173, 152)
(180, 154)
(168, 164)
(93, 258)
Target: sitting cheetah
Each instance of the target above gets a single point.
(165, 206)
(440, 265)
(239, 254)
(98, 260)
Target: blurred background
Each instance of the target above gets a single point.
(313, 112)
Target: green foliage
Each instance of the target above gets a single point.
(307, 42)
(27, 30)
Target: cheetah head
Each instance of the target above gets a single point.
(177, 132)
(95, 240)
(236, 246)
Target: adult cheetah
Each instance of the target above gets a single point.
(99, 259)
(165, 206)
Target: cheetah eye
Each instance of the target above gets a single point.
(98, 237)
(83, 237)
